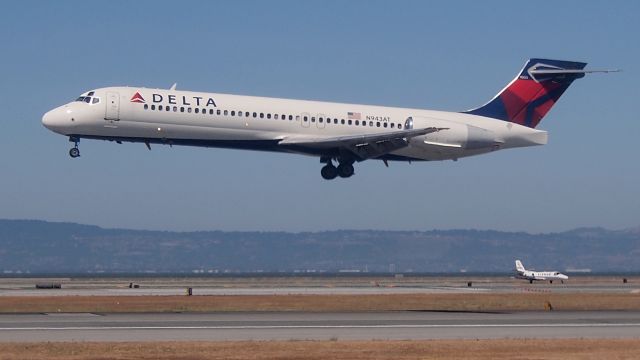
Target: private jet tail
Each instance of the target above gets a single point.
(519, 266)
(528, 98)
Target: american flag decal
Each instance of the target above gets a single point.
(354, 115)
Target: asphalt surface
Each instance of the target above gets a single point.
(325, 286)
(317, 326)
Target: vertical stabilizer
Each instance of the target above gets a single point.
(528, 98)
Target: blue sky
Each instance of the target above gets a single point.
(447, 55)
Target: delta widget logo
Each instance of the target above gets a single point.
(137, 98)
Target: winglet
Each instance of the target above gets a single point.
(173, 87)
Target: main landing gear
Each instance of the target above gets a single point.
(330, 172)
(74, 152)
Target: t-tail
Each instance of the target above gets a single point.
(519, 266)
(528, 98)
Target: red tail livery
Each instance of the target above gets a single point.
(528, 98)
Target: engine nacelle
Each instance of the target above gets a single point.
(454, 135)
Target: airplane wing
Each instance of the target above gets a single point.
(363, 147)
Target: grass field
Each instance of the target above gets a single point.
(566, 349)
(320, 303)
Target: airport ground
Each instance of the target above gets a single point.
(558, 349)
(320, 317)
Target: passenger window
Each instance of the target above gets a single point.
(393, 125)
(226, 112)
(255, 115)
(210, 111)
(146, 106)
(218, 112)
(349, 122)
(240, 113)
(233, 113)
(384, 124)
(196, 110)
(335, 121)
(370, 123)
(153, 107)
(357, 122)
(378, 124)
(342, 121)
(313, 119)
(175, 109)
(275, 116)
(261, 115)
(399, 126)
(181, 108)
(290, 117)
(306, 119)
(268, 116)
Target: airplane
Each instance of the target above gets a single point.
(522, 273)
(338, 134)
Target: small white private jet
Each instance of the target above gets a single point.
(338, 134)
(522, 273)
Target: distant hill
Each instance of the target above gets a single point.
(46, 247)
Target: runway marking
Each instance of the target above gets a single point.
(265, 327)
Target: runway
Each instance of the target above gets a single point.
(404, 325)
(308, 286)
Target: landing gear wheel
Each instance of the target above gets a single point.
(345, 170)
(329, 172)
(74, 152)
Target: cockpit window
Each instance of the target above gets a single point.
(89, 98)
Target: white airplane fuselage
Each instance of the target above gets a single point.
(541, 275)
(220, 120)
(531, 275)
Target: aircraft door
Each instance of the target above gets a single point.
(112, 111)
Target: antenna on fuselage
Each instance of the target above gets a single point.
(173, 87)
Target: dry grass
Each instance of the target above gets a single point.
(567, 349)
(322, 303)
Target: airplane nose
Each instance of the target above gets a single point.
(54, 120)
(47, 120)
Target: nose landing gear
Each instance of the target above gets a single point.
(74, 152)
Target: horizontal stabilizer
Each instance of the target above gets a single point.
(539, 74)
